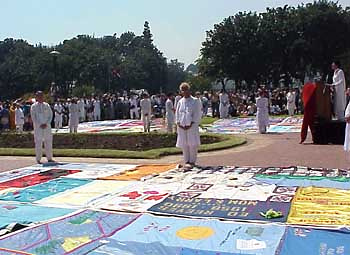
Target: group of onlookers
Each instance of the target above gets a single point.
(72, 111)
(243, 103)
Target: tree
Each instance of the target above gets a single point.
(176, 74)
(199, 83)
(280, 42)
(147, 35)
(109, 63)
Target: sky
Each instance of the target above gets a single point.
(178, 26)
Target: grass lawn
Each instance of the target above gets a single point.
(207, 121)
(224, 142)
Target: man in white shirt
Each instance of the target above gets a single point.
(134, 110)
(19, 119)
(81, 106)
(146, 111)
(339, 91)
(97, 108)
(177, 99)
(188, 115)
(224, 104)
(74, 114)
(170, 113)
(262, 115)
(347, 129)
(58, 108)
(41, 114)
(291, 102)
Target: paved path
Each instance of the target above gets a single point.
(261, 150)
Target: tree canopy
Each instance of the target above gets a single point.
(109, 63)
(280, 42)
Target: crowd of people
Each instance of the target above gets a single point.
(15, 115)
(183, 111)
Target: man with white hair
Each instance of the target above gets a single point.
(188, 115)
(41, 114)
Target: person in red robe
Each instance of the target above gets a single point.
(309, 100)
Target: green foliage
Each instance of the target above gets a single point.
(199, 82)
(207, 121)
(109, 63)
(84, 90)
(284, 41)
(176, 75)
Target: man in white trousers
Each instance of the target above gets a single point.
(146, 111)
(81, 106)
(19, 119)
(339, 91)
(74, 114)
(170, 113)
(134, 110)
(41, 114)
(188, 115)
(224, 104)
(291, 102)
(262, 115)
(347, 129)
(97, 108)
(58, 108)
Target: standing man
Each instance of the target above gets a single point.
(41, 114)
(19, 119)
(215, 104)
(58, 108)
(339, 91)
(170, 113)
(177, 99)
(81, 106)
(134, 110)
(262, 115)
(188, 116)
(97, 108)
(73, 116)
(146, 111)
(291, 102)
(224, 104)
(347, 129)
